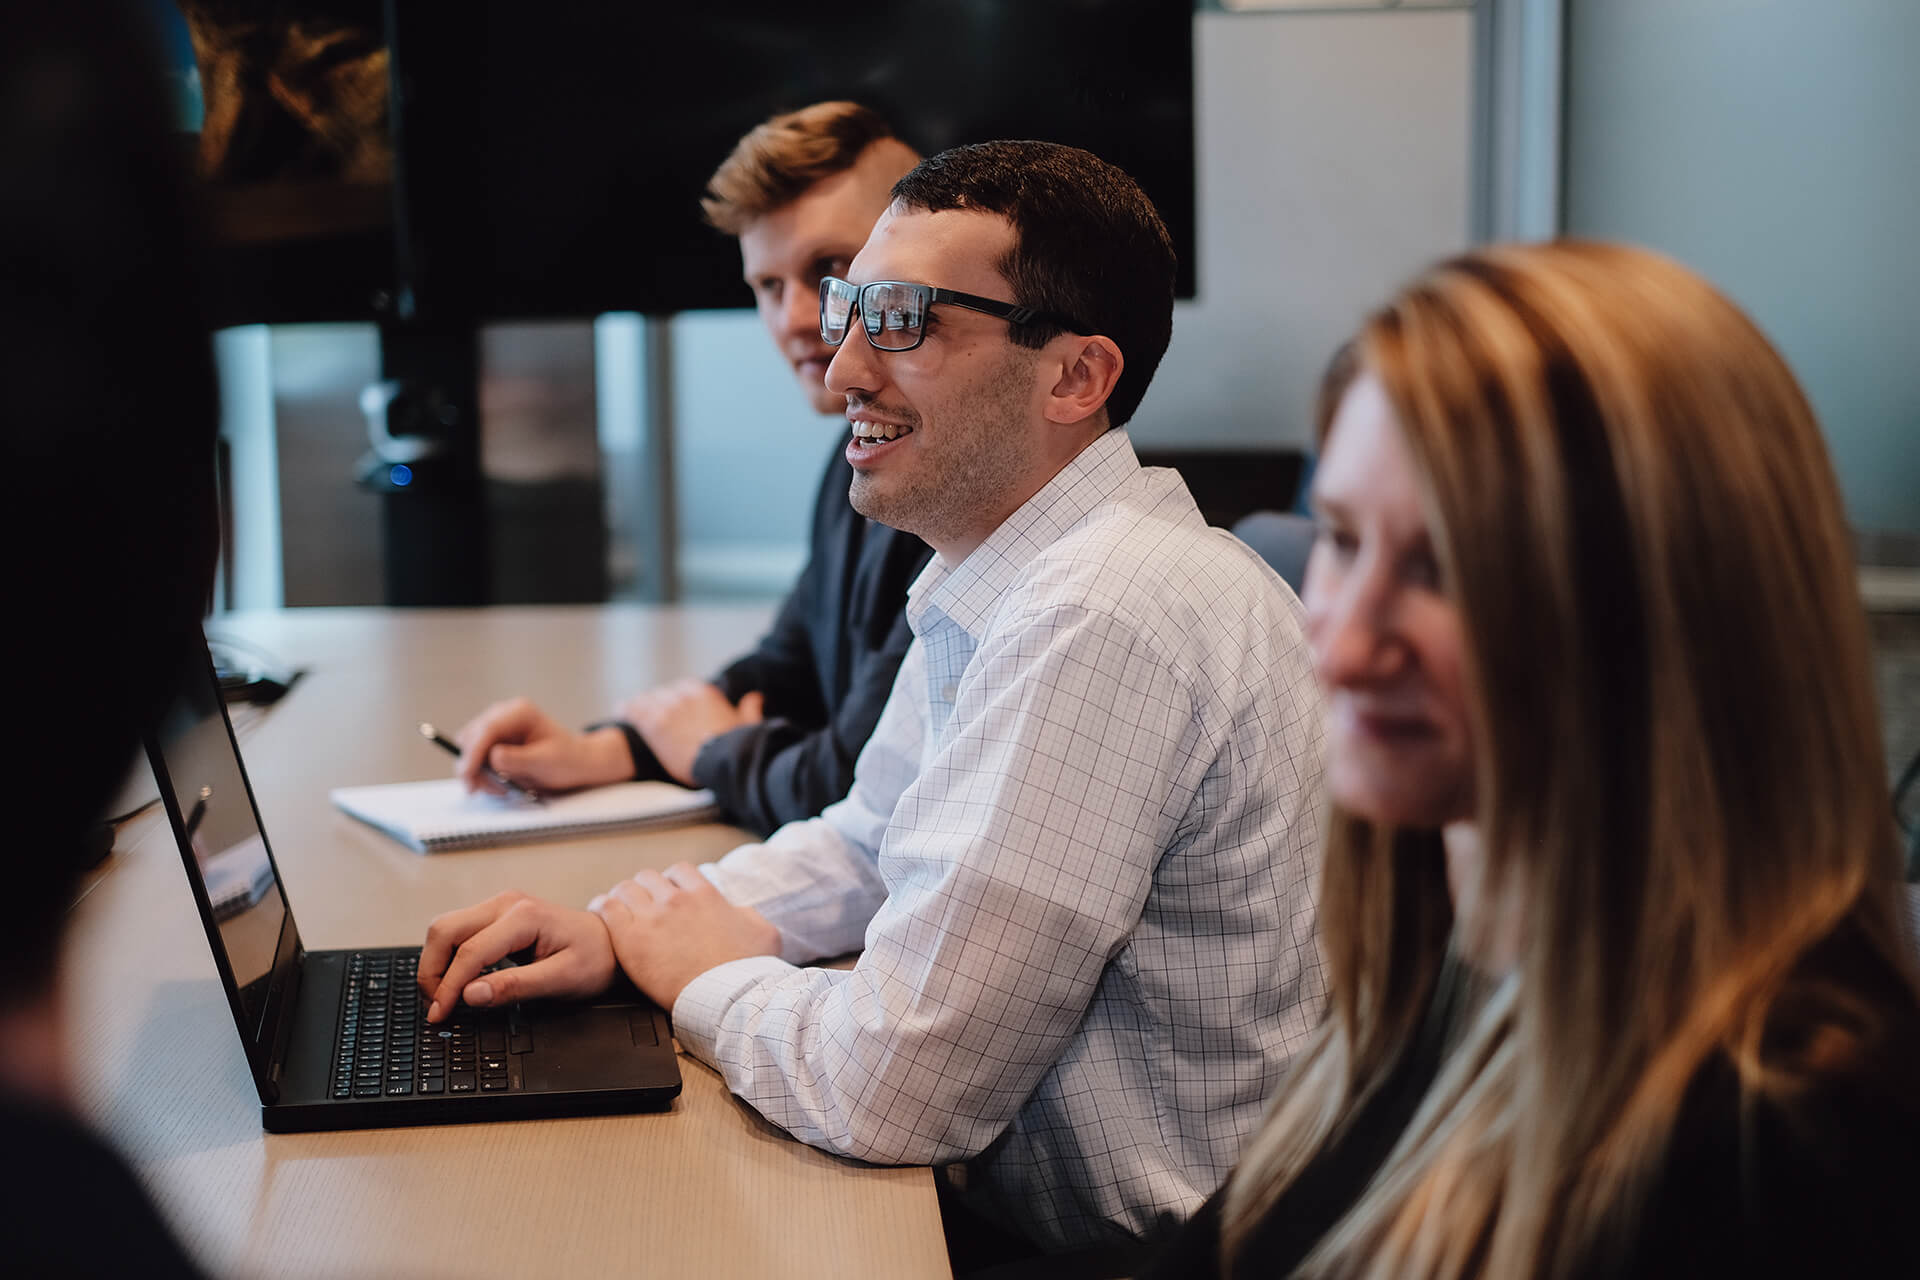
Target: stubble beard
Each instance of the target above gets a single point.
(972, 464)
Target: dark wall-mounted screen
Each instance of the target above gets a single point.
(283, 111)
(550, 158)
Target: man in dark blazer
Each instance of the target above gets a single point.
(774, 735)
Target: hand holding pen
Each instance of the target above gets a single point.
(519, 741)
(488, 772)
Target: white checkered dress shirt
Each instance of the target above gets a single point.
(1080, 854)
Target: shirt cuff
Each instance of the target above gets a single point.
(703, 1003)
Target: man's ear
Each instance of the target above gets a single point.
(1090, 368)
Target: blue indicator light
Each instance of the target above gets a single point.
(401, 475)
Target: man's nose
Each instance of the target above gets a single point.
(855, 365)
(800, 313)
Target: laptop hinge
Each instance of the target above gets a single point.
(285, 1002)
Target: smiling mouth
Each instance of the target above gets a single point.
(1396, 728)
(870, 433)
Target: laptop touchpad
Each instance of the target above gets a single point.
(584, 1047)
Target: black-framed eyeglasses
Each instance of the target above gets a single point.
(894, 312)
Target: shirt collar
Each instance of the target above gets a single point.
(967, 592)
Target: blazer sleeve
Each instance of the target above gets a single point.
(775, 772)
(781, 668)
(783, 665)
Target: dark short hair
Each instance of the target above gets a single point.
(1087, 243)
(779, 158)
(108, 414)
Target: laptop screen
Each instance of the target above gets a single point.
(201, 769)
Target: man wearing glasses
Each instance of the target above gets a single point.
(1080, 845)
(773, 736)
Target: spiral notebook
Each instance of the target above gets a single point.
(440, 814)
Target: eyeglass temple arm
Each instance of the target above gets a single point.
(1011, 312)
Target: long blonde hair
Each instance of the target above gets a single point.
(1633, 509)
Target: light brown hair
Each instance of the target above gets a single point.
(1679, 776)
(781, 157)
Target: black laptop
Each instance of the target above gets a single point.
(339, 1039)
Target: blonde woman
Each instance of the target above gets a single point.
(1618, 978)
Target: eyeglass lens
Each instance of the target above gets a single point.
(894, 315)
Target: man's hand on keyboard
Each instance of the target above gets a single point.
(572, 954)
(669, 928)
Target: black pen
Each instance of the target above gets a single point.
(199, 811)
(439, 739)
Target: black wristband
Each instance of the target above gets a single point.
(637, 749)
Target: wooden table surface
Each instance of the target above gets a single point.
(707, 1189)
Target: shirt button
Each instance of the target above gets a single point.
(949, 691)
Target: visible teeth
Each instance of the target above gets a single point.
(879, 431)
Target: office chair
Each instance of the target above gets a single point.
(1283, 541)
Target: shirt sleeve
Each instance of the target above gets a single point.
(818, 880)
(1016, 866)
(777, 771)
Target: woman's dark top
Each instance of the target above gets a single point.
(69, 1207)
(1830, 1186)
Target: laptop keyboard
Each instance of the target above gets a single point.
(385, 1047)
